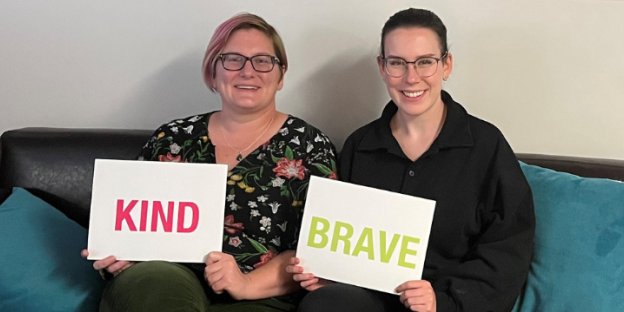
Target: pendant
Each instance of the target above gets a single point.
(239, 157)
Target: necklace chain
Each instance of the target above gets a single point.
(239, 155)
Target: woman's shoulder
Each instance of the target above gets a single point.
(188, 122)
(296, 124)
(172, 137)
(370, 130)
(183, 127)
(484, 131)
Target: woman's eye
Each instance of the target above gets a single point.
(425, 62)
(395, 62)
(262, 60)
(234, 58)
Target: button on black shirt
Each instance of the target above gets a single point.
(482, 234)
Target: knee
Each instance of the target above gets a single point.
(153, 279)
(152, 273)
(151, 285)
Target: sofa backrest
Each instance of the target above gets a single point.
(581, 166)
(56, 164)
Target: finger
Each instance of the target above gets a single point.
(314, 287)
(217, 283)
(295, 269)
(214, 277)
(117, 267)
(212, 268)
(212, 257)
(421, 301)
(412, 285)
(128, 264)
(414, 293)
(310, 282)
(217, 287)
(84, 253)
(104, 263)
(419, 307)
(294, 261)
(302, 277)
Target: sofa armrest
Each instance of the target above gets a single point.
(56, 164)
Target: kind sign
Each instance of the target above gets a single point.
(364, 236)
(144, 210)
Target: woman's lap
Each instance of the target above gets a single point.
(344, 298)
(166, 286)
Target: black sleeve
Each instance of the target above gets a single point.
(493, 273)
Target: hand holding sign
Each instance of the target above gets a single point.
(417, 295)
(109, 265)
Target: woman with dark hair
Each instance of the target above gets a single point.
(270, 157)
(425, 144)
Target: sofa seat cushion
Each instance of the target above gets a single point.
(579, 243)
(41, 268)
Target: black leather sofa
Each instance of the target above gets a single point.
(56, 164)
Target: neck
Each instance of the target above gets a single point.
(240, 135)
(415, 134)
(234, 122)
(427, 125)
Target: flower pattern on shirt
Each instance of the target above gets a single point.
(265, 191)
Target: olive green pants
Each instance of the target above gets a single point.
(165, 286)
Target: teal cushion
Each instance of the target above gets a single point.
(41, 268)
(578, 261)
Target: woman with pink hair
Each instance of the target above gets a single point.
(270, 155)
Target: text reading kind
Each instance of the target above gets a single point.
(156, 212)
(343, 232)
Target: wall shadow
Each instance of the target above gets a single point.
(343, 94)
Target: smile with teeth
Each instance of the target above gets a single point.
(246, 87)
(413, 93)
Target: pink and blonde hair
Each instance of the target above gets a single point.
(222, 35)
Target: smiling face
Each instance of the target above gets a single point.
(414, 95)
(247, 89)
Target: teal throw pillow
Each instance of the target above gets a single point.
(41, 268)
(578, 261)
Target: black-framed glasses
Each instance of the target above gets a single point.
(425, 66)
(260, 63)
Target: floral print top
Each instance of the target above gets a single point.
(266, 191)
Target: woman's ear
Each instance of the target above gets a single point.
(448, 66)
(283, 69)
(281, 81)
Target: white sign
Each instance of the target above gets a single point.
(364, 236)
(149, 210)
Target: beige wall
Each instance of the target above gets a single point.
(549, 74)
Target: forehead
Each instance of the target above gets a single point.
(249, 41)
(409, 42)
